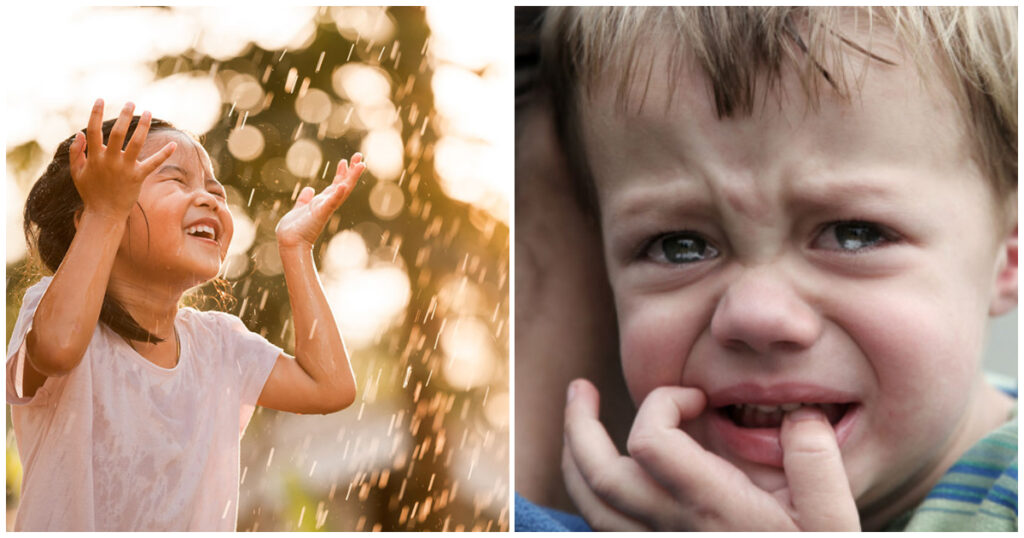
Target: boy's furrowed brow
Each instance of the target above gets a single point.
(656, 203)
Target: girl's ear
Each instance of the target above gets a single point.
(1004, 292)
(78, 216)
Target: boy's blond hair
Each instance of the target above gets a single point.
(740, 48)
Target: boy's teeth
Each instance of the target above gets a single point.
(770, 416)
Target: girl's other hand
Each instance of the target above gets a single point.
(300, 227)
(109, 179)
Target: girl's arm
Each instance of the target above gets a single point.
(319, 379)
(108, 181)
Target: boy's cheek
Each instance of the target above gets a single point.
(655, 343)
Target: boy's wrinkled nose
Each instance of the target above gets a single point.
(762, 312)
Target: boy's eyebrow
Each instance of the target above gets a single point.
(837, 192)
(655, 203)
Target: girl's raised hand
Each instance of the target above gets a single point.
(107, 177)
(302, 225)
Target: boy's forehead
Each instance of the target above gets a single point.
(627, 78)
(669, 125)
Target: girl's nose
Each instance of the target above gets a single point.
(762, 312)
(205, 198)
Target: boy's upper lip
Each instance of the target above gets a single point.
(777, 394)
(208, 221)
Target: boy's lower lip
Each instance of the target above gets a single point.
(761, 445)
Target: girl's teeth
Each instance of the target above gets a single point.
(192, 230)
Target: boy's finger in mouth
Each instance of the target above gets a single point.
(748, 418)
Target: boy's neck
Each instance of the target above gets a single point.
(989, 409)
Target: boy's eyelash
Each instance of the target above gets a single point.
(645, 245)
(887, 234)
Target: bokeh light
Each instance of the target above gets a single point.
(246, 143)
(386, 147)
(469, 78)
(470, 353)
(314, 106)
(304, 158)
(368, 23)
(386, 200)
(362, 84)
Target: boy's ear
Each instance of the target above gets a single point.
(1004, 293)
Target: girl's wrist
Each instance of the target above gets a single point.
(298, 248)
(106, 218)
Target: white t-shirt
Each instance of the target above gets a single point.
(120, 444)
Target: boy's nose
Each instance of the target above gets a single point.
(762, 312)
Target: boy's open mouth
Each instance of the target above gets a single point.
(770, 416)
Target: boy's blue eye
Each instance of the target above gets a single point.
(680, 248)
(852, 236)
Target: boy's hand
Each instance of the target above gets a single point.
(669, 482)
(302, 225)
(107, 178)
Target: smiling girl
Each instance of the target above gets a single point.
(127, 409)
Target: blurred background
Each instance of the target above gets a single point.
(415, 264)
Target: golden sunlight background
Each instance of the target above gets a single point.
(415, 264)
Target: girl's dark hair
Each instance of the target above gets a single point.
(50, 223)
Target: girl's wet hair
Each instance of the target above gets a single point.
(49, 225)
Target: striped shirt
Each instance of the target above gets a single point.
(979, 492)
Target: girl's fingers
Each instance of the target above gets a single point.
(305, 196)
(350, 172)
(147, 166)
(94, 132)
(139, 136)
(599, 515)
(77, 148)
(120, 129)
(818, 486)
